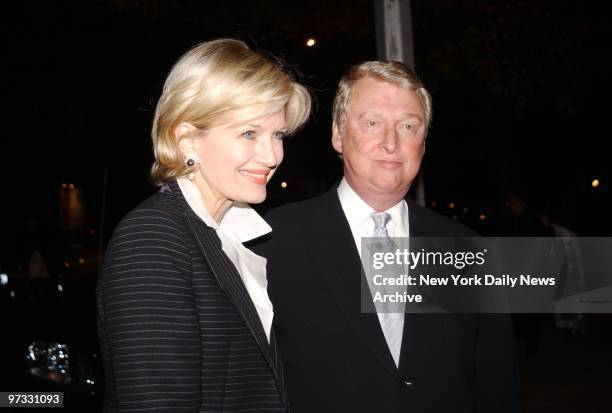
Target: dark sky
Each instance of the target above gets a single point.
(520, 96)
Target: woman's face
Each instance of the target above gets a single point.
(236, 162)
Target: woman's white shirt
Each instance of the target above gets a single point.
(241, 223)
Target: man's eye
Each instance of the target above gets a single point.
(249, 135)
(372, 123)
(408, 127)
(279, 135)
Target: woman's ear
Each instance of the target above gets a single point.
(185, 134)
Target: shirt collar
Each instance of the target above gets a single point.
(244, 222)
(399, 217)
(240, 219)
(357, 211)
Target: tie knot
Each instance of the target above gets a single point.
(380, 223)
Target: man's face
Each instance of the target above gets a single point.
(383, 140)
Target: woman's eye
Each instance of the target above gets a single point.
(372, 123)
(249, 135)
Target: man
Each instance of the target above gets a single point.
(338, 359)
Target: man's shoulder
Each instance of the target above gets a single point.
(300, 213)
(433, 224)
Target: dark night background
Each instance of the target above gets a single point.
(520, 92)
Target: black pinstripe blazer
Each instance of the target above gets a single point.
(177, 328)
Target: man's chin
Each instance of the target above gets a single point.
(391, 187)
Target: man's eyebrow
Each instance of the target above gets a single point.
(412, 115)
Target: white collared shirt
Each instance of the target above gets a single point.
(239, 224)
(358, 214)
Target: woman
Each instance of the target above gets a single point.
(184, 316)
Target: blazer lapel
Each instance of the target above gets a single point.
(228, 278)
(333, 249)
(278, 362)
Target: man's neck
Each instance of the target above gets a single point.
(378, 201)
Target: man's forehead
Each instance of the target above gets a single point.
(372, 94)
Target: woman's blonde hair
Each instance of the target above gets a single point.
(220, 81)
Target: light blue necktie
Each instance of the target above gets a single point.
(392, 323)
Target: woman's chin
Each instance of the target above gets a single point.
(252, 198)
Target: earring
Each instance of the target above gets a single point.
(190, 163)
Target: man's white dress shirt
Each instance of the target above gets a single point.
(359, 216)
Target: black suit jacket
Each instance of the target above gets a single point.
(336, 358)
(178, 330)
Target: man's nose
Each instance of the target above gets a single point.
(390, 142)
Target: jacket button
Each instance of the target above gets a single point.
(405, 383)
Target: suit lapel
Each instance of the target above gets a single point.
(423, 333)
(333, 250)
(228, 278)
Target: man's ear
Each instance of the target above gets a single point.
(184, 133)
(336, 138)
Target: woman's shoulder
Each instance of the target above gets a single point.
(161, 206)
(159, 215)
(154, 230)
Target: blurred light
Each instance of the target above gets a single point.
(311, 42)
(451, 205)
(12, 293)
(465, 210)
(71, 186)
(81, 261)
(60, 288)
(92, 232)
(434, 204)
(595, 183)
(3, 279)
(66, 264)
(64, 186)
(482, 217)
(283, 184)
(47, 360)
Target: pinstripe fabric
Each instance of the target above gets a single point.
(177, 328)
